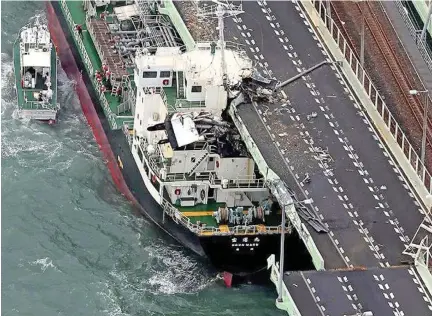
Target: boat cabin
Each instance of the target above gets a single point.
(35, 51)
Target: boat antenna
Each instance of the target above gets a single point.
(220, 11)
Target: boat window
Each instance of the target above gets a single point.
(165, 74)
(149, 74)
(196, 89)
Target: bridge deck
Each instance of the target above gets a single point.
(359, 192)
(383, 291)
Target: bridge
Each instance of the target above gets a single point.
(331, 138)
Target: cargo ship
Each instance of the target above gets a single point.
(158, 105)
(35, 68)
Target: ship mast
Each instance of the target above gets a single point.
(221, 11)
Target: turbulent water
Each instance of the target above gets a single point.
(71, 244)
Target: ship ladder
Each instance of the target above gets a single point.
(180, 85)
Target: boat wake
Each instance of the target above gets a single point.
(173, 272)
(26, 141)
(167, 270)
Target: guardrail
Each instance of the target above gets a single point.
(387, 124)
(111, 116)
(416, 34)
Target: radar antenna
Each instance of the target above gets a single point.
(221, 10)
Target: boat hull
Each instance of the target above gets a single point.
(113, 144)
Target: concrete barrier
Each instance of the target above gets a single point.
(288, 304)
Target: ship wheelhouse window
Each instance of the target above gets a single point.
(196, 89)
(165, 74)
(149, 74)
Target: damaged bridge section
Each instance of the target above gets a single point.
(275, 172)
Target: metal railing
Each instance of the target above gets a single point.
(127, 126)
(240, 183)
(425, 51)
(90, 30)
(374, 96)
(179, 218)
(206, 45)
(38, 105)
(110, 115)
(183, 104)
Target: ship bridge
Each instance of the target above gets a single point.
(318, 137)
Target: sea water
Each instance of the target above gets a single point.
(71, 244)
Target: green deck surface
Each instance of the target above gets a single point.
(79, 16)
(171, 95)
(21, 92)
(209, 220)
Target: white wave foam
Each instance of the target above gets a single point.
(110, 302)
(175, 275)
(45, 263)
(7, 79)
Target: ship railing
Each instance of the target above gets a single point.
(179, 218)
(39, 105)
(205, 45)
(77, 38)
(240, 230)
(90, 30)
(183, 104)
(241, 183)
(201, 176)
(111, 116)
(127, 126)
(153, 163)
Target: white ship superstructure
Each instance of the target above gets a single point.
(188, 155)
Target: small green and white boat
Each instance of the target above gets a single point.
(35, 66)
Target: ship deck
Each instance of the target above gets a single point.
(28, 98)
(79, 17)
(203, 213)
(383, 291)
(357, 189)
